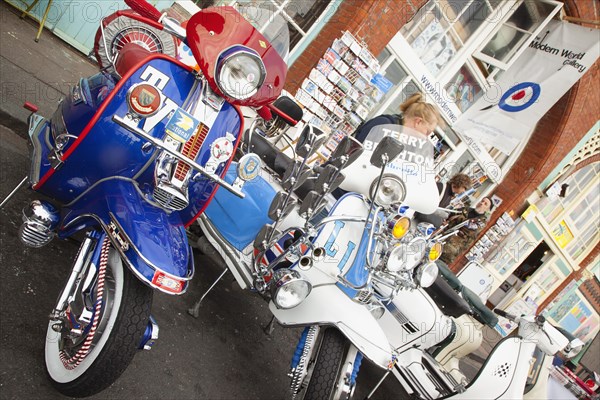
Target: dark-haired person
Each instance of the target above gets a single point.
(474, 220)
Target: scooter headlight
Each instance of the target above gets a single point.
(240, 72)
(391, 190)
(289, 288)
(435, 251)
(426, 274)
(399, 226)
(406, 256)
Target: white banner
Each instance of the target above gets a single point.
(551, 64)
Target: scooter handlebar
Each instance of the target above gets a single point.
(145, 9)
(504, 314)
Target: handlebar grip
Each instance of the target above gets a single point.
(504, 314)
(145, 9)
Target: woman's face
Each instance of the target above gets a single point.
(483, 206)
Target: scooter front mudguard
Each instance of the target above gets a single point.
(151, 241)
(328, 305)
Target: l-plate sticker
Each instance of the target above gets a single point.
(331, 249)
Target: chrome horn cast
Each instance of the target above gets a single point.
(40, 219)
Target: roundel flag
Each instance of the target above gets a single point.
(520, 97)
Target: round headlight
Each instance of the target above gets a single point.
(406, 256)
(240, 73)
(391, 190)
(435, 251)
(399, 226)
(426, 274)
(288, 288)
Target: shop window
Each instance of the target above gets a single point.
(463, 89)
(301, 15)
(533, 261)
(512, 36)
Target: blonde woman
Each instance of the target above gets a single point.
(416, 113)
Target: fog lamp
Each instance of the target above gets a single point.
(289, 288)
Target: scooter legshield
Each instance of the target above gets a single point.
(240, 220)
(151, 241)
(327, 305)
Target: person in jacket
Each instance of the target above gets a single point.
(448, 191)
(473, 220)
(458, 184)
(416, 113)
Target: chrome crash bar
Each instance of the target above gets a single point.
(127, 123)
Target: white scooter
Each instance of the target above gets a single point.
(429, 344)
(320, 273)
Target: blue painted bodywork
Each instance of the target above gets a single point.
(240, 220)
(108, 174)
(159, 236)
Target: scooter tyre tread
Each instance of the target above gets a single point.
(327, 365)
(122, 345)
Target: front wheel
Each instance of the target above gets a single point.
(332, 370)
(98, 332)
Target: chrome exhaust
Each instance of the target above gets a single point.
(306, 262)
(40, 219)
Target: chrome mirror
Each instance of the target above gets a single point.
(309, 141)
(311, 204)
(386, 151)
(266, 232)
(277, 209)
(346, 152)
(292, 176)
(329, 179)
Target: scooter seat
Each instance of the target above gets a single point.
(268, 153)
(447, 299)
(449, 276)
(129, 56)
(479, 311)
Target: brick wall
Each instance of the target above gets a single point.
(374, 21)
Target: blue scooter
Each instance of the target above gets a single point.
(129, 160)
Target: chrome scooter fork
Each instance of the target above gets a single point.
(80, 268)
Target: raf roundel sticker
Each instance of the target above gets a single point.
(520, 97)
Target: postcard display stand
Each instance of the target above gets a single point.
(493, 236)
(339, 94)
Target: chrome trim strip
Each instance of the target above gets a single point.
(36, 123)
(231, 255)
(160, 144)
